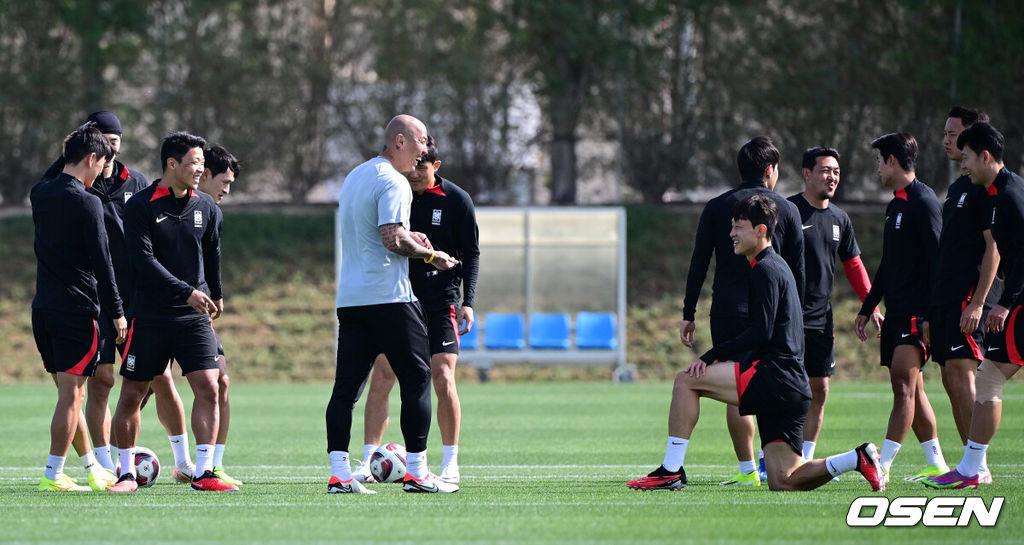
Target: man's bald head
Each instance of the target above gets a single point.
(402, 124)
(405, 139)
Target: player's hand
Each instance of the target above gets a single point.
(200, 302)
(443, 261)
(686, 332)
(971, 317)
(217, 310)
(421, 239)
(926, 333)
(697, 369)
(996, 318)
(861, 323)
(121, 327)
(465, 317)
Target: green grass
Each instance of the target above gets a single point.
(542, 463)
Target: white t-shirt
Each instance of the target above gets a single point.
(373, 194)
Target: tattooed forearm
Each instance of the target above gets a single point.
(396, 239)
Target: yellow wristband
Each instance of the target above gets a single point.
(431, 258)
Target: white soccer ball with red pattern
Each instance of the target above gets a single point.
(147, 467)
(387, 463)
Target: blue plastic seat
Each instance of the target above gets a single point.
(596, 330)
(471, 340)
(550, 330)
(507, 331)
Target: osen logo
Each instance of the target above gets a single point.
(913, 510)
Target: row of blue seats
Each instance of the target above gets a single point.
(548, 330)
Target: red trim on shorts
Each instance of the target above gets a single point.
(913, 326)
(128, 342)
(79, 367)
(1011, 341)
(455, 324)
(743, 379)
(975, 349)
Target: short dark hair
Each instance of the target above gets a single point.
(85, 140)
(902, 145)
(219, 159)
(967, 116)
(812, 154)
(755, 156)
(177, 144)
(431, 155)
(758, 209)
(982, 137)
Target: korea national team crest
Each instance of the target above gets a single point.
(435, 219)
(899, 219)
(835, 233)
(127, 195)
(129, 362)
(197, 216)
(960, 203)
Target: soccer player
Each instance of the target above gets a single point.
(910, 247)
(444, 213)
(828, 233)
(758, 162)
(965, 279)
(770, 382)
(377, 310)
(172, 232)
(74, 275)
(982, 147)
(221, 170)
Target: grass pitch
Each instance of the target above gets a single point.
(541, 463)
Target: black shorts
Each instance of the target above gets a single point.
(820, 350)
(726, 329)
(900, 330)
(442, 328)
(949, 342)
(1007, 345)
(153, 343)
(68, 343)
(220, 347)
(108, 347)
(780, 414)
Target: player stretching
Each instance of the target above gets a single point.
(909, 249)
(172, 232)
(827, 233)
(965, 278)
(758, 162)
(73, 263)
(221, 170)
(444, 213)
(982, 147)
(769, 383)
(377, 311)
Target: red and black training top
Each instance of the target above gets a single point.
(445, 213)
(966, 215)
(174, 245)
(1007, 193)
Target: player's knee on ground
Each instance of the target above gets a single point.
(989, 383)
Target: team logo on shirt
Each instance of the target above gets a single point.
(960, 203)
(899, 219)
(435, 219)
(835, 233)
(127, 195)
(197, 218)
(129, 363)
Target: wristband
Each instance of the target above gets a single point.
(431, 258)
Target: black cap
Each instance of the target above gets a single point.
(106, 122)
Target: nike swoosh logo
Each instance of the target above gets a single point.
(972, 448)
(992, 348)
(807, 226)
(905, 335)
(957, 347)
(674, 443)
(161, 218)
(449, 343)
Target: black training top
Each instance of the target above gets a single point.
(910, 248)
(174, 245)
(1008, 231)
(729, 290)
(827, 233)
(966, 215)
(73, 262)
(775, 330)
(446, 215)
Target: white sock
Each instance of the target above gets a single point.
(809, 450)
(675, 453)
(218, 455)
(179, 445)
(54, 466)
(416, 464)
(103, 457)
(204, 459)
(339, 465)
(450, 455)
(841, 463)
(933, 453)
(89, 462)
(747, 467)
(973, 454)
(126, 456)
(368, 452)
(983, 468)
(889, 451)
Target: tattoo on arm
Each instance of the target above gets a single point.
(396, 239)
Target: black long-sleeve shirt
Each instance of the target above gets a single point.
(732, 272)
(174, 250)
(74, 272)
(910, 248)
(446, 215)
(1008, 231)
(966, 215)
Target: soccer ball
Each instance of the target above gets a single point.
(387, 464)
(147, 467)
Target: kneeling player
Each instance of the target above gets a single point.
(770, 384)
